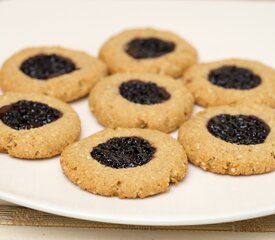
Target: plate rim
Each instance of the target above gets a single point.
(245, 215)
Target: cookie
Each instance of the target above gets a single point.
(141, 100)
(34, 126)
(148, 50)
(54, 71)
(232, 81)
(127, 163)
(234, 140)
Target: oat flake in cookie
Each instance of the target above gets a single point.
(234, 140)
(141, 100)
(59, 72)
(34, 126)
(231, 81)
(127, 163)
(148, 50)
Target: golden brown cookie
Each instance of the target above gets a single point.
(141, 100)
(128, 163)
(231, 81)
(148, 50)
(234, 140)
(36, 126)
(54, 71)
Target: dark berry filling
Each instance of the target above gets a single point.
(145, 93)
(26, 114)
(148, 47)
(239, 129)
(44, 66)
(234, 77)
(124, 152)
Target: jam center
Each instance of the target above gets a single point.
(26, 114)
(124, 152)
(145, 93)
(234, 77)
(239, 129)
(140, 48)
(44, 66)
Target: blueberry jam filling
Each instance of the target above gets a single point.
(234, 77)
(239, 129)
(145, 93)
(26, 114)
(124, 152)
(140, 48)
(44, 66)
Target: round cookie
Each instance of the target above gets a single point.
(127, 163)
(148, 50)
(34, 126)
(141, 100)
(234, 140)
(54, 71)
(231, 81)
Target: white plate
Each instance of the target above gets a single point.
(217, 29)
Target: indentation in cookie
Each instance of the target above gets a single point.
(239, 129)
(146, 93)
(44, 66)
(124, 152)
(26, 114)
(234, 77)
(141, 48)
